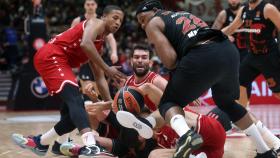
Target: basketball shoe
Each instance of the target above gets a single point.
(32, 143)
(141, 125)
(269, 154)
(189, 142)
(95, 151)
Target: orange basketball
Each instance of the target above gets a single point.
(128, 99)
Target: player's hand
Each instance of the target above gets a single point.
(231, 38)
(88, 88)
(118, 84)
(95, 110)
(114, 73)
(114, 58)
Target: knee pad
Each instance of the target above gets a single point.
(164, 107)
(220, 116)
(234, 110)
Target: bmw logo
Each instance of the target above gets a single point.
(38, 88)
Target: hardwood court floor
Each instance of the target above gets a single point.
(32, 123)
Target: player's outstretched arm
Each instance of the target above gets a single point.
(237, 22)
(220, 20)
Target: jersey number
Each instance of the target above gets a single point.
(190, 24)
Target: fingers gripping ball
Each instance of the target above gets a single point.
(128, 99)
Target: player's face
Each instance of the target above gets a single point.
(253, 1)
(144, 18)
(90, 6)
(140, 62)
(234, 4)
(36, 2)
(114, 20)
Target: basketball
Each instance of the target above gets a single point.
(128, 99)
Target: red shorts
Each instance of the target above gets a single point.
(214, 137)
(52, 64)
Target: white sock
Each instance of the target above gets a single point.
(152, 121)
(179, 124)
(253, 133)
(63, 138)
(49, 137)
(88, 139)
(268, 134)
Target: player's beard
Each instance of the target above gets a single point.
(234, 8)
(141, 73)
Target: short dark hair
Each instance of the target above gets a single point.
(110, 8)
(145, 47)
(148, 5)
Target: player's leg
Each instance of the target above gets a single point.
(195, 74)
(270, 70)
(248, 72)
(225, 92)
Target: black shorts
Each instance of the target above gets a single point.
(85, 72)
(268, 65)
(214, 65)
(243, 53)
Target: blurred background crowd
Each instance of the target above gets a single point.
(60, 13)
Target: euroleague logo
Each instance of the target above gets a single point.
(38, 88)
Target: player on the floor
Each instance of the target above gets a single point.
(55, 61)
(211, 130)
(188, 47)
(259, 20)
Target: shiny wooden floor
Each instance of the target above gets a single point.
(32, 123)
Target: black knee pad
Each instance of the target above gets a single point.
(234, 110)
(164, 107)
(220, 116)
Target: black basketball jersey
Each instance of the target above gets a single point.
(183, 30)
(239, 35)
(259, 30)
(229, 17)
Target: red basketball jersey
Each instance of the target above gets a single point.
(148, 79)
(70, 41)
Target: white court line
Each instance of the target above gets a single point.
(4, 153)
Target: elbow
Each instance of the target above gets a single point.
(170, 66)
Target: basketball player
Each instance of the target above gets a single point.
(100, 118)
(212, 132)
(259, 20)
(85, 74)
(195, 54)
(90, 7)
(224, 18)
(55, 61)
